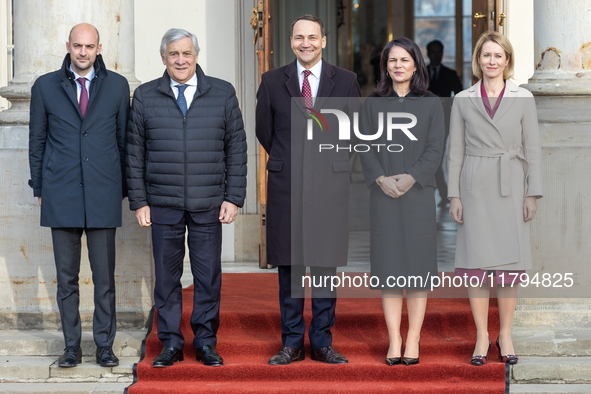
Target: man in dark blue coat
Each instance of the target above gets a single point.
(308, 190)
(77, 160)
(186, 170)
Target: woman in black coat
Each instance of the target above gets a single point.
(399, 170)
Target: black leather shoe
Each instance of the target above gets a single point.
(329, 355)
(209, 356)
(72, 356)
(287, 355)
(167, 357)
(105, 357)
(411, 360)
(395, 360)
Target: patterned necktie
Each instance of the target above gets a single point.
(181, 100)
(83, 103)
(307, 91)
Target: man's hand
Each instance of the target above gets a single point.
(39, 199)
(143, 216)
(456, 209)
(228, 212)
(404, 182)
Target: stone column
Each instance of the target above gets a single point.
(562, 229)
(40, 33)
(27, 270)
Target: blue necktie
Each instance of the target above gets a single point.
(181, 99)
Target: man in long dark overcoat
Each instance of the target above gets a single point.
(307, 219)
(77, 161)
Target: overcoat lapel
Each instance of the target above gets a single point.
(476, 98)
(326, 85)
(506, 101)
(95, 90)
(293, 86)
(72, 95)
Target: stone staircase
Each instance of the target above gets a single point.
(28, 364)
(551, 361)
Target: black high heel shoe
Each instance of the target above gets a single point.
(395, 360)
(410, 360)
(480, 360)
(508, 358)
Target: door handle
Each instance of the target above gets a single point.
(477, 16)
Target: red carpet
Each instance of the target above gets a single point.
(250, 334)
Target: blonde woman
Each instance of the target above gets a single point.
(494, 170)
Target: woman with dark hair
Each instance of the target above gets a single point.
(399, 170)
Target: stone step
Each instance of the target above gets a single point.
(550, 343)
(51, 343)
(65, 388)
(43, 369)
(533, 370)
(550, 388)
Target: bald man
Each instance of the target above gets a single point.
(77, 160)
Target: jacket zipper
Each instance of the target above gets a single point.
(185, 152)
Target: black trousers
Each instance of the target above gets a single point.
(291, 302)
(205, 248)
(101, 253)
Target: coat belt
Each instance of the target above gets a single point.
(506, 156)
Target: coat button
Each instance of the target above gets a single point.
(85, 159)
(81, 184)
(400, 100)
(85, 134)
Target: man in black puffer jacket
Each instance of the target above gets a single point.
(186, 169)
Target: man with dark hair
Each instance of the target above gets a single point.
(291, 223)
(186, 172)
(442, 82)
(77, 160)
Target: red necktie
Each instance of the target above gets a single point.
(307, 91)
(83, 104)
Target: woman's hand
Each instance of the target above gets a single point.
(456, 210)
(390, 187)
(530, 206)
(404, 182)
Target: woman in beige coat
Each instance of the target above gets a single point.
(494, 169)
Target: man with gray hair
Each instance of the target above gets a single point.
(186, 170)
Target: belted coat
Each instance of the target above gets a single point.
(493, 164)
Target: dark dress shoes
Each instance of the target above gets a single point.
(328, 355)
(105, 357)
(394, 361)
(411, 360)
(209, 356)
(72, 356)
(287, 355)
(167, 357)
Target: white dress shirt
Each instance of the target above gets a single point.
(313, 78)
(189, 91)
(88, 77)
